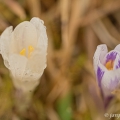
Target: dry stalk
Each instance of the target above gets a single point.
(34, 7)
(103, 34)
(95, 14)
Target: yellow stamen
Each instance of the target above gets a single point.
(30, 50)
(109, 65)
(23, 52)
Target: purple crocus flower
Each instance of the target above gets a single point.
(107, 68)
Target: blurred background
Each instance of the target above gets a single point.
(68, 88)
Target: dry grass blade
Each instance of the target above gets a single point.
(102, 33)
(16, 8)
(111, 28)
(34, 7)
(3, 24)
(64, 7)
(95, 14)
(90, 42)
(51, 113)
(77, 11)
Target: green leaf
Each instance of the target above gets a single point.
(64, 109)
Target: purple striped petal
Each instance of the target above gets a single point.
(100, 74)
(110, 81)
(116, 62)
(111, 56)
(118, 65)
(114, 83)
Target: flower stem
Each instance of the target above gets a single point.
(22, 101)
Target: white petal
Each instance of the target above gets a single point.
(17, 65)
(24, 35)
(100, 52)
(117, 47)
(37, 62)
(25, 85)
(5, 39)
(29, 76)
(42, 35)
(35, 66)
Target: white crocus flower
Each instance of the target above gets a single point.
(107, 68)
(24, 51)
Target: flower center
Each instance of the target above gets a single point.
(30, 50)
(109, 65)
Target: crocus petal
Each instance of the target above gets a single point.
(29, 76)
(114, 83)
(114, 56)
(100, 52)
(110, 56)
(24, 35)
(26, 85)
(111, 80)
(17, 65)
(41, 31)
(36, 65)
(117, 47)
(117, 62)
(37, 62)
(5, 39)
(99, 75)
